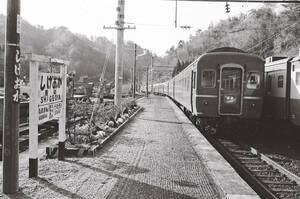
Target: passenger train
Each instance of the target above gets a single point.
(220, 88)
(282, 98)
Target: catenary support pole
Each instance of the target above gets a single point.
(10, 150)
(134, 73)
(152, 74)
(147, 81)
(119, 53)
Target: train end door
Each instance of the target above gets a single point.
(231, 89)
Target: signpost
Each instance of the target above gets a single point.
(47, 102)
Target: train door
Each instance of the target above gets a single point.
(193, 90)
(295, 92)
(231, 89)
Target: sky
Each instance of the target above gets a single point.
(154, 19)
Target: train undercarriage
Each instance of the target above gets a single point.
(224, 124)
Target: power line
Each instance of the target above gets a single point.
(248, 29)
(161, 25)
(274, 35)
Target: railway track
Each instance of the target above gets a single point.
(269, 180)
(45, 130)
(266, 177)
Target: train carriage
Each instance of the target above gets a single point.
(230, 83)
(220, 87)
(295, 91)
(282, 97)
(159, 89)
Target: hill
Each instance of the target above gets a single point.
(262, 31)
(86, 55)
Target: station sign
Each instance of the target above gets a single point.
(47, 94)
(50, 96)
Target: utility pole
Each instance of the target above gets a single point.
(147, 83)
(12, 81)
(134, 73)
(119, 55)
(152, 74)
(175, 14)
(138, 83)
(147, 77)
(119, 51)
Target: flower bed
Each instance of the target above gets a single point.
(99, 123)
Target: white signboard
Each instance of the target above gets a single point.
(50, 96)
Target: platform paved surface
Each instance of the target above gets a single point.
(150, 158)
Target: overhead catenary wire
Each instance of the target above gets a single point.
(161, 25)
(248, 29)
(274, 35)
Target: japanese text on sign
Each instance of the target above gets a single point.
(17, 80)
(50, 96)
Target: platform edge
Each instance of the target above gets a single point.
(194, 138)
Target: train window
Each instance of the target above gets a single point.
(208, 79)
(253, 81)
(280, 81)
(298, 78)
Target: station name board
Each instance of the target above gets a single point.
(50, 96)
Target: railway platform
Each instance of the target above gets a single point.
(159, 154)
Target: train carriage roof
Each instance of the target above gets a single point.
(296, 59)
(226, 49)
(210, 55)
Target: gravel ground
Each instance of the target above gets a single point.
(150, 158)
(279, 142)
(283, 150)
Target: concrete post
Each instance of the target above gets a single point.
(62, 118)
(33, 119)
(119, 53)
(134, 73)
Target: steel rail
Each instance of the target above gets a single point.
(260, 188)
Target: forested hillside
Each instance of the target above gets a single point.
(86, 55)
(262, 32)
